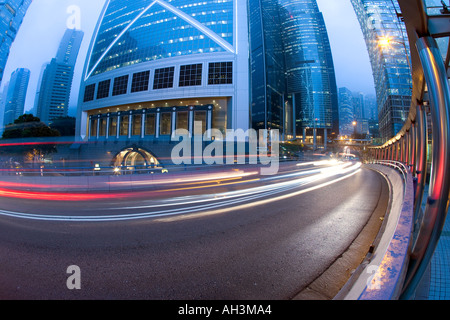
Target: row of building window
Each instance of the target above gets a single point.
(190, 75)
(151, 123)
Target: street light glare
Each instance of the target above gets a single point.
(384, 42)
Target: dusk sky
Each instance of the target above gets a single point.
(46, 22)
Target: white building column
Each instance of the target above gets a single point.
(144, 116)
(158, 119)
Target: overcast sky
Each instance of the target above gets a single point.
(46, 21)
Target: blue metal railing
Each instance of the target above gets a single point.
(431, 98)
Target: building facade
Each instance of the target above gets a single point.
(346, 112)
(12, 13)
(16, 95)
(386, 40)
(54, 87)
(311, 80)
(157, 66)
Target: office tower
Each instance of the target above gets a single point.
(309, 67)
(12, 13)
(153, 67)
(370, 104)
(358, 105)
(386, 41)
(346, 112)
(2, 106)
(16, 95)
(54, 88)
(292, 71)
(157, 66)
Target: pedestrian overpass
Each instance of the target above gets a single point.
(415, 160)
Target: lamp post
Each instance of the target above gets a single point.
(385, 42)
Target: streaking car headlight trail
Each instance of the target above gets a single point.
(288, 185)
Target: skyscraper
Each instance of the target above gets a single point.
(167, 63)
(12, 13)
(293, 80)
(4, 93)
(386, 41)
(346, 111)
(53, 92)
(309, 67)
(157, 66)
(16, 95)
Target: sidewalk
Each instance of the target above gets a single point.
(440, 267)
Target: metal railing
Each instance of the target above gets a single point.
(431, 98)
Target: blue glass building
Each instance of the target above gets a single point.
(16, 95)
(12, 13)
(310, 72)
(387, 43)
(54, 88)
(157, 66)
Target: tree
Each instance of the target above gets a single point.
(29, 126)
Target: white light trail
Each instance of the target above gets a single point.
(211, 204)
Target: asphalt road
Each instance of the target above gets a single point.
(264, 246)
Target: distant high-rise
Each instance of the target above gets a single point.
(386, 41)
(370, 107)
(53, 92)
(346, 111)
(2, 105)
(16, 95)
(12, 13)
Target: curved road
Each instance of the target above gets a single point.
(262, 239)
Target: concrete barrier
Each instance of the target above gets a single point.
(382, 273)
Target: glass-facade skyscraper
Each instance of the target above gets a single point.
(311, 79)
(386, 41)
(12, 13)
(16, 95)
(54, 88)
(346, 112)
(293, 83)
(172, 64)
(157, 66)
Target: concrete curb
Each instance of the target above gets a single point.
(381, 275)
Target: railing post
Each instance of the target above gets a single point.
(421, 157)
(407, 147)
(413, 149)
(402, 149)
(437, 204)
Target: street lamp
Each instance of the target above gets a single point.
(385, 42)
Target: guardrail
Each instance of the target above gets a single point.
(382, 273)
(431, 98)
